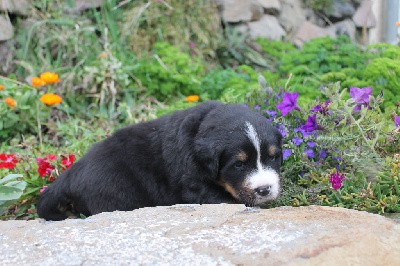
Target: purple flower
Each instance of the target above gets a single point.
(311, 124)
(297, 141)
(360, 96)
(286, 153)
(397, 121)
(322, 108)
(288, 103)
(283, 130)
(322, 154)
(192, 45)
(336, 180)
(310, 153)
(311, 144)
(271, 113)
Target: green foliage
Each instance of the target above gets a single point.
(325, 60)
(216, 82)
(276, 49)
(26, 116)
(11, 189)
(319, 5)
(169, 72)
(190, 25)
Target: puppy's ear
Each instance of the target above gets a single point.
(208, 154)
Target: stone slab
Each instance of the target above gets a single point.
(206, 235)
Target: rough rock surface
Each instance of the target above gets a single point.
(6, 28)
(20, 7)
(345, 27)
(206, 235)
(292, 14)
(364, 17)
(267, 27)
(6, 57)
(271, 6)
(309, 31)
(241, 11)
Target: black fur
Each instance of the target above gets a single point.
(178, 158)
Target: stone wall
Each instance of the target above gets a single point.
(272, 19)
(293, 20)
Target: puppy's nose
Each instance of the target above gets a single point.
(263, 191)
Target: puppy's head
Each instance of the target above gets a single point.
(244, 154)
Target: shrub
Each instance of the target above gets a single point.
(169, 72)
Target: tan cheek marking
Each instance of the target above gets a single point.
(241, 156)
(272, 150)
(228, 187)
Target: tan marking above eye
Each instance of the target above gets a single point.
(242, 156)
(272, 150)
(228, 187)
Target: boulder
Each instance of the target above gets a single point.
(340, 10)
(272, 7)
(6, 57)
(345, 27)
(206, 235)
(309, 31)
(292, 15)
(6, 28)
(20, 7)
(364, 17)
(241, 11)
(79, 6)
(268, 27)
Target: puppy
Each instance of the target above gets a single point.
(211, 153)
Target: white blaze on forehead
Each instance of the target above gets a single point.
(253, 136)
(262, 176)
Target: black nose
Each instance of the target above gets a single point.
(263, 191)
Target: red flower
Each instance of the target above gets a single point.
(44, 167)
(8, 161)
(68, 161)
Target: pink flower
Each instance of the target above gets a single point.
(336, 180)
(43, 189)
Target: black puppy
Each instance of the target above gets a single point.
(211, 153)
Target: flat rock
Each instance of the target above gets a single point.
(268, 27)
(20, 7)
(241, 11)
(364, 16)
(206, 235)
(309, 31)
(6, 28)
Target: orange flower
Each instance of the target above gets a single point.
(1, 87)
(49, 77)
(398, 23)
(103, 55)
(192, 98)
(37, 82)
(10, 102)
(51, 99)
